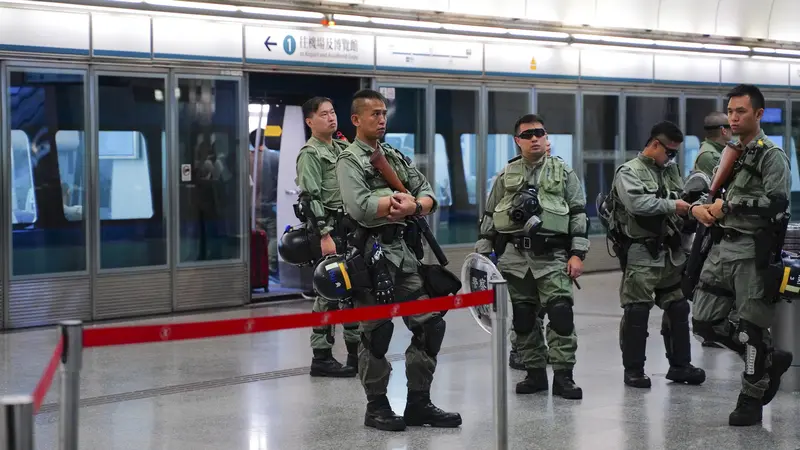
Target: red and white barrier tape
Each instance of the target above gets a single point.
(103, 337)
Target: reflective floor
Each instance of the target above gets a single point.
(254, 393)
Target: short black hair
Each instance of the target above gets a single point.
(312, 106)
(667, 129)
(365, 94)
(527, 118)
(756, 97)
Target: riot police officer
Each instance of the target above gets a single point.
(644, 216)
(748, 224)
(535, 222)
(718, 133)
(316, 177)
(381, 213)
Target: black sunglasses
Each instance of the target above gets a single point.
(670, 151)
(529, 134)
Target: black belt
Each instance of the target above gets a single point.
(541, 244)
(728, 234)
(389, 233)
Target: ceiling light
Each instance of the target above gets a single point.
(406, 23)
(541, 34)
(349, 18)
(613, 39)
(281, 12)
(474, 29)
(194, 5)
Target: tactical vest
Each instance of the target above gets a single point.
(550, 182)
(638, 227)
(746, 184)
(331, 198)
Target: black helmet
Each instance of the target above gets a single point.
(331, 279)
(299, 247)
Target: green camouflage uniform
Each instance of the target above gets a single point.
(644, 197)
(538, 281)
(730, 277)
(707, 159)
(362, 187)
(316, 175)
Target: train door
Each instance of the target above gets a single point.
(278, 99)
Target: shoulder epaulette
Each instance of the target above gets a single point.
(514, 158)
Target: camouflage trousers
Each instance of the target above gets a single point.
(374, 370)
(528, 297)
(322, 338)
(745, 282)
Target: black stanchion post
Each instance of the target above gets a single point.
(72, 333)
(499, 351)
(16, 418)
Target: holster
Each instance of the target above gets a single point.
(621, 248)
(500, 242)
(653, 246)
(413, 238)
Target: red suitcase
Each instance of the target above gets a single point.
(259, 260)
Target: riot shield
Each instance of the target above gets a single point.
(475, 275)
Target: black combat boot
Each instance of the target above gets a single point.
(675, 330)
(421, 411)
(536, 381)
(380, 415)
(514, 360)
(565, 386)
(352, 354)
(633, 340)
(325, 365)
(748, 412)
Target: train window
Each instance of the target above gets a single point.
(558, 111)
(131, 161)
(505, 108)
(456, 165)
(406, 121)
(23, 202)
(792, 151)
(208, 144)
(46, 115)
(600, 144)
(696, 111)
(641, 113)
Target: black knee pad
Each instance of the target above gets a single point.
(378, 342)
(637, 313)
(524, 317)
(433, 331)
(755, 351)
(678, 309)
(561, 317)
(350, 326)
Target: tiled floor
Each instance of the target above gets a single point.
(254, 393)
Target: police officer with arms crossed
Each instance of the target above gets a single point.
(316, 177)
(535, 221)
(370, 201)
(645, 217)
(718, 133)
(735, 271)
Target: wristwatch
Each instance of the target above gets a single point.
(418, 211)
(579, 253)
